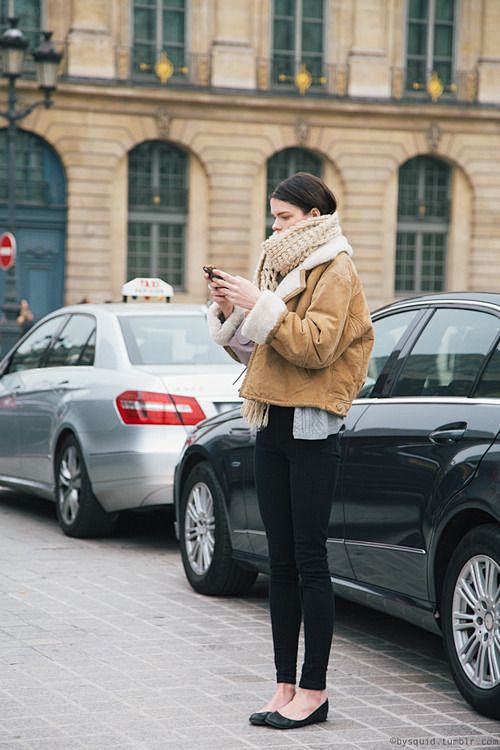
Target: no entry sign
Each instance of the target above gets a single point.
(7, 250)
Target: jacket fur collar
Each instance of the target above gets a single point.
(295, 281)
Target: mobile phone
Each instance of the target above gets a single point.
(210, 271)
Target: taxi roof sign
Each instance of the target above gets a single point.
(150, 289)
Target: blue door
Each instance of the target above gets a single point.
(40, 221)
(41, 268)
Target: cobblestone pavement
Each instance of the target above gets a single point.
(103, 645)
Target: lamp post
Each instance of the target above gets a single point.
(13, 45)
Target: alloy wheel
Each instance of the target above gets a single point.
(476, 620)
(70, 484)
(199, 528)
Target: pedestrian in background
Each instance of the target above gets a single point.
(25, 318)
(304, 327)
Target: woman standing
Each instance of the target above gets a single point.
(305, 330)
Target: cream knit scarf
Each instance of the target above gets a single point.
(281, 253)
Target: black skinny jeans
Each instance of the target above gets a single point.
(295, 485)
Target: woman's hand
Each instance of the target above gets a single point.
(235, 290)
(219, 297)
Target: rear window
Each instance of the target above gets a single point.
(170, 340)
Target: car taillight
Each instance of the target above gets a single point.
(145, 407)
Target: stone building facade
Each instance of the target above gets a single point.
(229, 113)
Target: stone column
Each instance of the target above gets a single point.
(233, 54)
(91, 51)
(489, 62)
(369, 68)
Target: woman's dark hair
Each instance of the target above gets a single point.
(307, 192)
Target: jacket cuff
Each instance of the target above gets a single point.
(222, 333)
(265, 317)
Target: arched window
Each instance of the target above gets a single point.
(283, 165)
(159, 28)
(157, 205)
(423, 220)
(40, 179)
(39, 218)
(297, 39)
(430, 41)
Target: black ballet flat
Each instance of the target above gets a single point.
(276, 720)
(258, 719)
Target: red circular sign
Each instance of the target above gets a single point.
(7, 250)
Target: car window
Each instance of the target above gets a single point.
(30, 353)
(88, 353)
(448, 355)
(68, 347)
(489, 384)
(388, 332)
(170, 340)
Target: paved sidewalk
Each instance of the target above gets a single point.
(103, 645)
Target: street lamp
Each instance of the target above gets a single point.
(13, 45)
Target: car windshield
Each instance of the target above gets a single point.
(170, 340)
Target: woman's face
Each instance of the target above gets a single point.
(286, 214)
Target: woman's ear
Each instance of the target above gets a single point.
(315, 212)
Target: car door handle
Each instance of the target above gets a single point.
(241, 431)
(448, 433)
(63, 382)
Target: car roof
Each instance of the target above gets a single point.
(490, 298)
(136, 308)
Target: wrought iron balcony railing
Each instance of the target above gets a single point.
(463, 88)
(162, 68)
(277, 75)
(272, 75)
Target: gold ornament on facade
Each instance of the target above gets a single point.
(263, 74)
(164, 68)
(303, 79)
(470, 81)
(435, 86)
(341, 80)
(123, 63)
(203, 70)
(397, 83)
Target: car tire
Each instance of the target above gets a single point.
(204, 539)
(78, 511)
(471, 618)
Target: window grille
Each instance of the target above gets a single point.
(298, 30)
(159, 26)
(430, 42)
(158, 196)
(422, 234)
(39, 180)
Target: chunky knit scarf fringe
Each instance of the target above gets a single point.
(281, 253)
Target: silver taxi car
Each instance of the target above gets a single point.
(96, 402)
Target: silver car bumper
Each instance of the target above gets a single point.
(139, 477)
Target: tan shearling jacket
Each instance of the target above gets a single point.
(313, 336)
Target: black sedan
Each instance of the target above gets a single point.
(415, 522)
